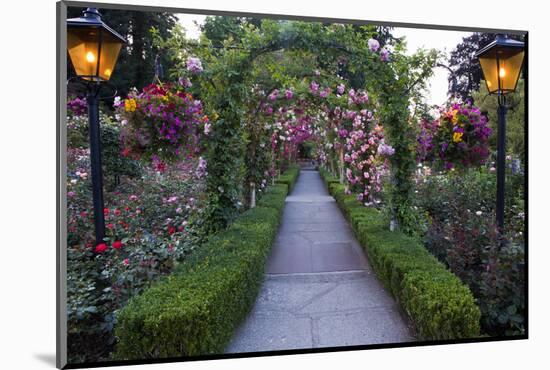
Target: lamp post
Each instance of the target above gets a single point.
(501, 63)
(93, 48)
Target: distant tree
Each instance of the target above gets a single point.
(219, 29)
(467, 71)
(136, 63)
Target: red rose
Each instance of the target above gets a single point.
(100, 248)
(117, 244)
(117, 212)
(110, 226)
(105, 211)
(171, 230)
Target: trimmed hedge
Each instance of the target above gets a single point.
(271, 198)
(439, 304)
(290, 177)
(196, 309)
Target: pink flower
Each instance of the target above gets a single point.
(133, 197)
(71, 194)
(126, 262)
(273, 96)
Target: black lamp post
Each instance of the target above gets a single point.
(501, 63)
(93, 48)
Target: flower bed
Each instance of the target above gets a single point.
(439, 304)
(196, 309)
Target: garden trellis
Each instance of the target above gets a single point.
(392, 78)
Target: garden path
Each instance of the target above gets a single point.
(319, 289)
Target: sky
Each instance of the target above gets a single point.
(444, 41)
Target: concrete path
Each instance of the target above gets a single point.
(319, 290)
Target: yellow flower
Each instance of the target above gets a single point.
(455, 116)
(457, 137)
(130, 105)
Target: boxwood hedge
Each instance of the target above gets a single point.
(195, 310)
(438, 303)
(289, 178)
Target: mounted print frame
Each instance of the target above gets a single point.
(236, 184)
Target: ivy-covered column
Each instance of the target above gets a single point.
(226, 148)
(395, 116)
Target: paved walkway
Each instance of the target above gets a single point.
(319, 290)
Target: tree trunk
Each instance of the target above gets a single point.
(252, 195)
(341, 165)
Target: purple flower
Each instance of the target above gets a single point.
(384, 55)
(373, 45)
(207, 127)
(185, 82)
(340, 89)
(386, 150)
(289, 94)
(314, 87)
(194, 65)
(78, 106)
(200, 172)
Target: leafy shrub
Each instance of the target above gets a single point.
(439, 304)
(461, 233)
(115, 164)
(195, 310)
(289, 177)
(501, 283)
(272, 197)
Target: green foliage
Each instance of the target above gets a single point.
(272, 197)
(439, 304)
(226, 172)
(114, 164)
(195, 310)
(289, 178)
(234, 60)
(515, 118)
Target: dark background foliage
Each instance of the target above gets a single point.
(138, 56)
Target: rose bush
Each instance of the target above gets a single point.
(153, 219)
(459, 229)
